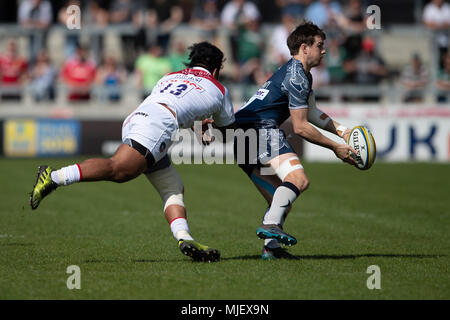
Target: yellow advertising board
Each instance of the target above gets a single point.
(20, 138)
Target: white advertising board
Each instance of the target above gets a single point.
(401, 134)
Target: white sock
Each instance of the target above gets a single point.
(67, 175)
(271, 243)
(284, 196)
(180, 229)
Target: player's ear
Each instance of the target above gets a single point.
(215, 73)
(303, 48)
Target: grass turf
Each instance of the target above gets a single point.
(395, 216)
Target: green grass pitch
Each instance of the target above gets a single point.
(395, 216)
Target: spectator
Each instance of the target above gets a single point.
(414, 79)
(249, 68)
(35, 15)
(296, 8)
(123, 11)
(13, 73)
(150, 67)
(96, 14)
(367, 68)
(323, 13)
(72, 37)
(78, 73)
(334, 59)
(162, 18)
(320, 75)
(110, 78)
(436, 17)
(234, 14)
(321, 78)
(250, 49)
(278, 49)
(443, 81)
(43, 77)
(127, 12)
(96, 17)
(178, 56)
(206, 17)
(353, 23)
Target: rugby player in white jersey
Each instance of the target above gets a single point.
(178, 99)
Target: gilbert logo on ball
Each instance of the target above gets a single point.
(361, 139)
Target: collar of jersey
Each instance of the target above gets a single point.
(201, 68)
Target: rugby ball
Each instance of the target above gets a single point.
(361, 139)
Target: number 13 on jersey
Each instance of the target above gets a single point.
(177, 90)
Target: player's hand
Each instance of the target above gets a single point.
(202, 136)
(344, 152)
(207, 139)
(346, 134)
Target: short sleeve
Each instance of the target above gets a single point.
(297, 86)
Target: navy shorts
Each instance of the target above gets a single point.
(258, 144)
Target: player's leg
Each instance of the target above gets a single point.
(290, 172)
(146, 137)
(283, 161)
(168, 183)
(266, 185)
(126, 164)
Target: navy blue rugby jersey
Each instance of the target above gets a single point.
(288, 88)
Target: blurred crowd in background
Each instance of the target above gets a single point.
(252, 33)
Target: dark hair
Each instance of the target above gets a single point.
(304, 33)
(206, 55)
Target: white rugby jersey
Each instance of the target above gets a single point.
(194, 94)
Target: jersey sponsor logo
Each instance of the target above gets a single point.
(141, 114)
(261, 94)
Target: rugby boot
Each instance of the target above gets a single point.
(276, 253)
(274, 231)
(198, 252)
(44, 185)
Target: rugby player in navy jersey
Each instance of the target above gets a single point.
(271, 163)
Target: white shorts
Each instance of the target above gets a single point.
(152, 125)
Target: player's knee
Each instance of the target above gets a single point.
(299, 180)
(121, 173)
(121, 177)
(302, 184)
(305, 184)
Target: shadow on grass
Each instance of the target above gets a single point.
(345, 256)
(295, 257)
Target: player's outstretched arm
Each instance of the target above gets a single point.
(321, 120)
(304, 129)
